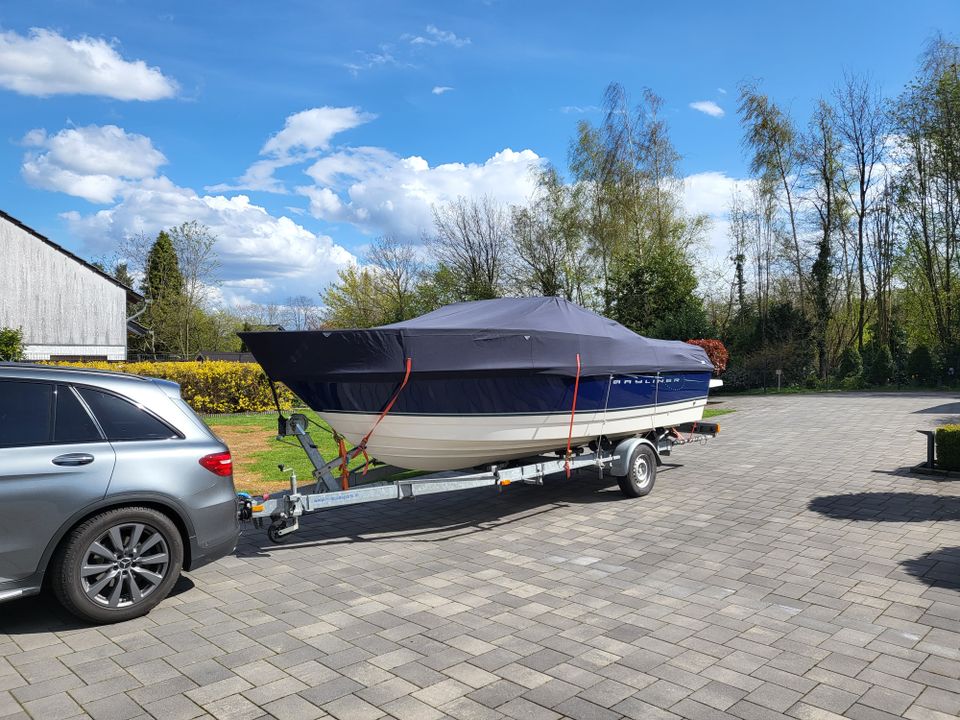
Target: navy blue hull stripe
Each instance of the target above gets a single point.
(662, 407)
(505, 394)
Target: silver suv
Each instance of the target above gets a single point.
(109, 485)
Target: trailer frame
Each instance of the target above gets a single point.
(285, 509)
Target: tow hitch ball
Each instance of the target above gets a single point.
(244, 506)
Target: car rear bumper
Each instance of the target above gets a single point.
(200, 556)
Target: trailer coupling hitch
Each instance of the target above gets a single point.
(244, 506)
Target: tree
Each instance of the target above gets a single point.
(11, 344)
(353, 301)
(301, 313)
(163, 287)
(195, 248)
(162, 277)
(861, 123)
(770, 137)
(122, 274)
(471, 238)
(821, 150)
(397, 270)
(658, 296)
(926, 120)
(549, 257)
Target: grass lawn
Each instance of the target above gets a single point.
(257, 452)
(716, 412)
(252, 440)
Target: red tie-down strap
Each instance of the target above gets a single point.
(362, 446)
(573, 412)
(344, 462)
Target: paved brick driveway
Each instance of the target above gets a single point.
(789, 568)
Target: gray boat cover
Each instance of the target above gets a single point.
(513, 335)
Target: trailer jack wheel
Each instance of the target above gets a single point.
(278, 531)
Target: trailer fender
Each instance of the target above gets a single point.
(624, 451)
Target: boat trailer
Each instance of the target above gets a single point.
(333, 488)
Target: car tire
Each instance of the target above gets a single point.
(117, 565)
(641, 472)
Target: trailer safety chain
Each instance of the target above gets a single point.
(573, 412)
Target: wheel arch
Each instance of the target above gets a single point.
(168, 506)
(624, 451)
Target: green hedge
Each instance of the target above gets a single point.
(948, 447)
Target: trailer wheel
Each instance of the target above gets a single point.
(641, 472)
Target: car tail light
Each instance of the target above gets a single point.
(218, 463)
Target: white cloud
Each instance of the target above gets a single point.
(579, 109)
(710, 193)
(46, 63)
(721, 90)
(708, 107)
(93, 162)
(382, 192)
(272, 256)
(436, 36)
(312, 129)
(303, 134)
(441, 89)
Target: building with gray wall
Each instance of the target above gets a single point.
(66, 307)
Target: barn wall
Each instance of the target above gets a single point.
(61, 304)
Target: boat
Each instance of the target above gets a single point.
(485, 382)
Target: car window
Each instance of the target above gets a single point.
(73, 423)
(26, 411)
(122, 420)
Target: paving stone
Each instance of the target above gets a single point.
(293, 707)
(753, 584)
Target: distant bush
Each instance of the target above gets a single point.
(716, 352)
(11, 344)
(877, 363)
(948, 447)
(920, 365)
(851, 364)
(209, 387)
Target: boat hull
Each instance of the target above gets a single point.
(424, 442)
(447, 439)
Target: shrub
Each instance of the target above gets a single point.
(920, 365)
(11, 344)
(948, 447)
(877, 363)
(850, 363)
(209, 387)
(716, 352)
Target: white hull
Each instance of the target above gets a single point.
(431, 442)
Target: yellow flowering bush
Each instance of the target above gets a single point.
(215, 386)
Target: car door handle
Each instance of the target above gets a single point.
(71, 459)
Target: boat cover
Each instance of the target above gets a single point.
(539, 335)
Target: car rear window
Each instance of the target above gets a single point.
(73, 423)
(26, 413)
(122, 420)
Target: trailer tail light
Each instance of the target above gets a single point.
(218, 463)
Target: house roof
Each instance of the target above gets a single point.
(132, 295)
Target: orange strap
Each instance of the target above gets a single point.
(573, 412)
(344, 470)
(362, 446)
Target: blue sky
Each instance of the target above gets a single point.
(299, 130)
